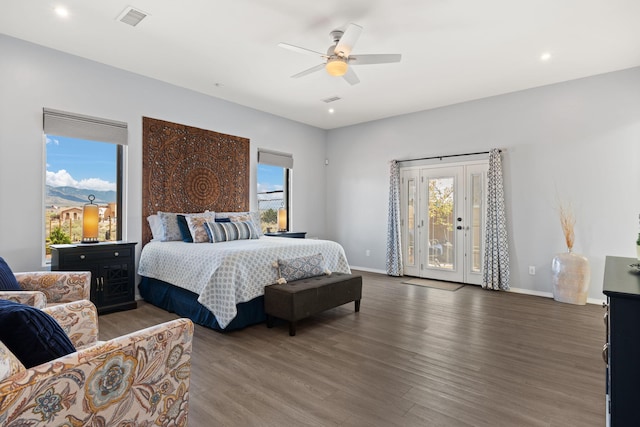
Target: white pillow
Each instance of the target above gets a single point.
(157, 230)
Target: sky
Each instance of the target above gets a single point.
(91, 165)
(79, 163)
(270, 178)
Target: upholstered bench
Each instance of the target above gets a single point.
(303, 298)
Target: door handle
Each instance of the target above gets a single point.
(459, 227)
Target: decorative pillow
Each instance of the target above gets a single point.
(223, 220)
(301, 268)
(227, 231)
(253, 216)
(32, 335)
(197, 229)
(171, 231)
(9, 363)
(184, 229)
(157, 230)
(8, 281)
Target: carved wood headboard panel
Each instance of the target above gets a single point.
(186, 169)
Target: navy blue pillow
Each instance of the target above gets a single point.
(184, 229)
(8, 281)
(32, 335)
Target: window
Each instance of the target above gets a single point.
(84, 156)
(274, 184)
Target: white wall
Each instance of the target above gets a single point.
(578, 140)
(581, 138)
(33, 77)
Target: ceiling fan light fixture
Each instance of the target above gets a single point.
(337, 66)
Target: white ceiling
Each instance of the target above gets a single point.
(452, 50)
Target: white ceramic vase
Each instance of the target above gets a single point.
(571, 276)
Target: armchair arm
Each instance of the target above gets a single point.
(138, 379)
(58, 286)
(79, 320)
(35, 299)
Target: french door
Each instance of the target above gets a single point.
(442, 221)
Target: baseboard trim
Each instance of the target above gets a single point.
(368, 270)
(514, 290)
(550, 295)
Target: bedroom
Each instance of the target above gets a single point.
(580, 136)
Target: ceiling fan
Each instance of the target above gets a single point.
(338, 57)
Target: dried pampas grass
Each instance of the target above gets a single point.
(567, 221)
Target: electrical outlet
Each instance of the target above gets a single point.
(532, 270)
(367, 252)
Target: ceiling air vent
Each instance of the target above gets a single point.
(131, 16)
(332, 99)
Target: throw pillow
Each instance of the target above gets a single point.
(301, 268)
(184, 229)
(8, 281)
(227, 231)
(170, 226)
(32, 335)
(196, 223)
(9, 363)
(253, 216)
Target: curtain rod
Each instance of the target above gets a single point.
(448, 155)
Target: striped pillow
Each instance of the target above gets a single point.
(227, 231)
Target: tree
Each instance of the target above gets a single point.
(440, 208)
(58, 236)
(269, 216)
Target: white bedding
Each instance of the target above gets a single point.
(227, 273)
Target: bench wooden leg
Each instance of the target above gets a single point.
(357, 303)
(292, 329)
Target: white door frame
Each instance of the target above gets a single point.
(464, 253)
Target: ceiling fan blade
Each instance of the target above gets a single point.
(351, 77)
(309, 71)
(348, 39)
(374, 59)
(301, 50)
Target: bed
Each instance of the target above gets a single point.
(221, 285)
(218, 285)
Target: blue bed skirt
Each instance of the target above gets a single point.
(185, 303)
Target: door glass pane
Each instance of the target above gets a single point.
(476, 222)
(441, 243)
(411, 221)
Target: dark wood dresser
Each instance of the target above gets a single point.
(112, 267)
(622, 347)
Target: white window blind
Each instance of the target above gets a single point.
(73, 125)
(275, 158)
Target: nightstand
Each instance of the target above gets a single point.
(291, 234)
(112, 267)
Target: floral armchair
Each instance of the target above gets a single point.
(45, 288)
(139, 379)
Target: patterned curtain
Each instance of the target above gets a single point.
(496, 254)
(394, 246)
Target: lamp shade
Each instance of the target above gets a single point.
(90, 218)
(282, 219)
(337, 66)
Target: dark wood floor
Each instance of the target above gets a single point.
(413, 356)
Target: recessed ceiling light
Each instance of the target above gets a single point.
(61, 11)
(331, 111)
(545, 56)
